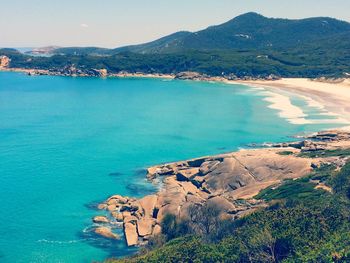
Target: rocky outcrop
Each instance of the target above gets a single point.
(188, 75)
(222, 180)
(78, 72)
(4, 61)
(228, 181)
(325, 140)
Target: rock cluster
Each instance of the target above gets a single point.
(319, 142)
(189, 75)
(304, 146)
(229, 181)
(331, 136)
(78, 72)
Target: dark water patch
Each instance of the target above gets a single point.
(240, 131)
(93, 205)
(140, 189)
(8, 132)
(141, 172)
(222, 148)
(116, 174)
(175, 137)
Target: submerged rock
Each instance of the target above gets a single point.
(106, 232)
(100, 219)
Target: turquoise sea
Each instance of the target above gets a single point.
(67, 143)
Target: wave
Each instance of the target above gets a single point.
(59, 241)
(65, 242)
(295, 115)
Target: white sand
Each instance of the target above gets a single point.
(330, 99)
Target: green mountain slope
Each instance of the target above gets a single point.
(247, 31)
(254, 31)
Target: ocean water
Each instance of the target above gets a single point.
(68, 143)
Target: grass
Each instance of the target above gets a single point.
(295, 189)
(286, 153)
(301, 189)
(326, 153)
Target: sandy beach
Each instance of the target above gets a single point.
(331, 96)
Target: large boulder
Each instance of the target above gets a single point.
(131, 234)
(207, 167)
(111, 208)
(118, 216)
(145, 226)
(117, 199)
(189, 188)
(267, 165)
(228, 175)
(130, 219)
(198, 181)
(148, 204)
(172, 209)
(187, 174)
(222, 204)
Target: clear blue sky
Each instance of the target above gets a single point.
(113, 23)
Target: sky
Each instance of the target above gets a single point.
(114, 23)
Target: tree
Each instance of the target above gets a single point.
(205, 220)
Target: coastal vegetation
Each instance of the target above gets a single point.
(301, 224)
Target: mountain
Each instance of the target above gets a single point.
(248, 31)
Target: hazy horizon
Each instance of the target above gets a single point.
(115, 23)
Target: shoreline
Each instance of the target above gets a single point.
(332, 98)
(97, 73)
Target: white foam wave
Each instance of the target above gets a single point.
(295, 115)
(58, 241)
(292, 113)
(285, 108)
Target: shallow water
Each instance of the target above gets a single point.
(68, 143)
